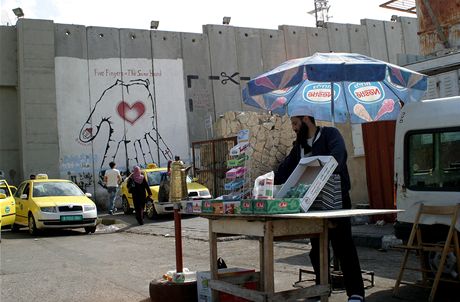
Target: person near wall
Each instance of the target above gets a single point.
(140, 190)
(112, 180)
(313, 141)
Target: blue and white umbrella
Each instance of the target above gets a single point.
(363, 89)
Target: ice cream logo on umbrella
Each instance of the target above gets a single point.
(281, 97)
(320, 93)
(388, 105)
(283, 204)
(367, 92)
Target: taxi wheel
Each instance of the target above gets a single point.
(32, 226)
(150, 211)
(125, 204)
(90, 229)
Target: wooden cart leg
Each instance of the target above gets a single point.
(261, 264)
(213, 259)
(268, 277)
(323, 258)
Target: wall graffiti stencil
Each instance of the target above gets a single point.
(131, 132)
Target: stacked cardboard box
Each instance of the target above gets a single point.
(205, 293)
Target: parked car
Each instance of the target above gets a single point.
(154, 176)
(45, 203)
(7, 205)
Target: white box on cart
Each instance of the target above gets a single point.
(314, 170)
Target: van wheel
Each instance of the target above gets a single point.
(150, 211)
(125, 205)
(90, 229)
(32, 226)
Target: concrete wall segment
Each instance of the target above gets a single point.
(70, 41)
(358, 39)
(103, 42)
(317, 40)
(39, 136)
(395, 40)
(9, 135)
(338, 37)
(273, 48)
(295, 38)
(199, 98)
(135, 43)
(249, 56)
(224, 68)
(376, 38)
(166, 44)
(8, 56)
(411, 38)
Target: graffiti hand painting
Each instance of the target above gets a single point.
(122, 126)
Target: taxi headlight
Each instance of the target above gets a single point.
(89, 208)
(48, 209)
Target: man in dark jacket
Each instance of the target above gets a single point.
(312, 141)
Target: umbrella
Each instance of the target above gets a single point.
(363, 89)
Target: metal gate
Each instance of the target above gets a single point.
(210, 162)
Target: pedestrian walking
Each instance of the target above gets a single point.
(140, 191)
(112, 180)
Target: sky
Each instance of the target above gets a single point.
(190, 16)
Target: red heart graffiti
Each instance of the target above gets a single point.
(131, 113)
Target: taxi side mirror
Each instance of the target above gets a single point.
(23, 196)
(89, 195)
(2, 195)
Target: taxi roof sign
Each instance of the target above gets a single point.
(152, 166)
(42, 176)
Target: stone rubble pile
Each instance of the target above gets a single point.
(270, 137)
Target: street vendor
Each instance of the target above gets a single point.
(313, 140)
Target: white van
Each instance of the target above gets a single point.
(427, 160)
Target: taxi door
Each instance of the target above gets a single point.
(22, 205)
(7, 205)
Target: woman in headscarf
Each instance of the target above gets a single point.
(139, 187)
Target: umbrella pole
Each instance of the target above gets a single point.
(332, 104)
(178, 237)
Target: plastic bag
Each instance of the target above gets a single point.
(263, 186)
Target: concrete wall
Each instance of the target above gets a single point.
(9, 123)
(37, 98)
(67, 72)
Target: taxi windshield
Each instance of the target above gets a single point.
(57, 188)
(4, 188)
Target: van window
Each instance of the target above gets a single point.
(433, 160)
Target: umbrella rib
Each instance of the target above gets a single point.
(292, 95)
(391, 89)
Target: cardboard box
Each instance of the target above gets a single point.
(196, 206)
(205, 293)
(213, 206)
(239, 148)
(232, 207)
(247, 206)
(276, 206)
(314, 170)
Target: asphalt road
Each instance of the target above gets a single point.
(118, 262)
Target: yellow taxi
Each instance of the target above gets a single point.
(7, 205)
(44, 203)
(154, 176)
